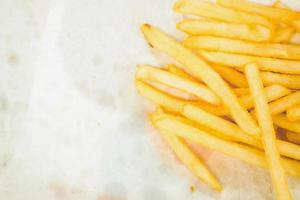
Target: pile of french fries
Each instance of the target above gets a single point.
(234, 85)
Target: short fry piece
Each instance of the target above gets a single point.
(200, 69)
(147, 72)
(284, 103)
(274, 50)
(190, 159)
(293, 137)
(254, 33)
(274, 13)
(287, 80)
(231, 76)
(277, 171)
(219, 13)
(282, 121)
(241, 152)
(293, 113)
(264, 63)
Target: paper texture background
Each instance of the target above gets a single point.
(71, 123)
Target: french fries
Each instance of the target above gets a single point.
(230, 131)
(293, 113)
(241, 152)
(209, 101)
(256, 33)
(264, 63)
(284, 103)
(147, 72)
(222, 128)
(274, 13)
(287, 80)
(282, 121)
(277, 171)
(274, 50)
(188, 158)
(203, 71)
(219, 13)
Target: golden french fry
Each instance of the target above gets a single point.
(283, 34)
(244, 153)
(147, 72)
(272, 92)
(179, 72)
(200, 69)
(284, 103)
(216, 12)
(282, 121)
(274, 50)
(230, 131)
(231, 76)
(239, 61)
(241, 91)
(274, 160)
(274, 13)
(293, 113)
(190, 159)
(252, 32)
(293, 137)
(287, 80)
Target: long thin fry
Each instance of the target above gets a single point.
(277, 171)
(190, 159)
(246, 154)
(216, 12)
(293, 137)
(287, 80)
(147, 72)
(201, 69)
(239, 61)
(274, 50)
(228, 130)
(231, 76)
(254, 33)
(282, 121)
(293, 113)
(275, 13)
(284, 103)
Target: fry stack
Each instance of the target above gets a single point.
(235, 84)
